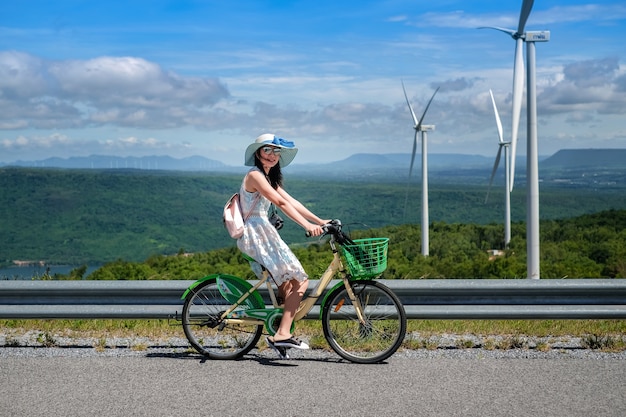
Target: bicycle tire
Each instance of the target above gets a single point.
(207, 333)
(377, 339)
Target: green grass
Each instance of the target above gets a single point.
(537, 328)
(607, 335)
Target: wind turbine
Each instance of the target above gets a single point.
(421, 128)
(532, 171)
(507, 193)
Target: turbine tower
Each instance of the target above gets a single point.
(507, 193)
(421, 128)
(532, 171)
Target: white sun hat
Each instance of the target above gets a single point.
(287, 153)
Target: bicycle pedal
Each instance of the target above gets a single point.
(281, 351)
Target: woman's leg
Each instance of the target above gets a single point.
(294, 291)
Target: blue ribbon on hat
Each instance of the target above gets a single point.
(283, 142)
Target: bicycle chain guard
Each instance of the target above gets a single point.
(233, 288)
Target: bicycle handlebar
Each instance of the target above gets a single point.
(329, 228)
(334, 228)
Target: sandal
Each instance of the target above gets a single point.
(292, 342)
(280, 350)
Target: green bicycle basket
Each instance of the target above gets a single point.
(367, 258)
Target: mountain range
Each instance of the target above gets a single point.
(363, 162)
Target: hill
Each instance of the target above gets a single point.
(585, 159)
(582, 168)
(95, 216)
(192, 163)
(361, 162)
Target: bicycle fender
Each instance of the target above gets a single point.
(328, 293)
(233, 288)
(195, 284)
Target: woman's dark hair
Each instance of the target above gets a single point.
(275, 175)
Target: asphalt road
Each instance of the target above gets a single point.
(153, 384)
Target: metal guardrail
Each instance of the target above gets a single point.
(423, 299)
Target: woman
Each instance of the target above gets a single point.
(261, 186)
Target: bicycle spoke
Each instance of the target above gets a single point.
(375, 339)
(208, 333)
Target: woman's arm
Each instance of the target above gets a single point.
(256, 181)
(305, 212)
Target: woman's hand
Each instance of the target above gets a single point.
(314, 230)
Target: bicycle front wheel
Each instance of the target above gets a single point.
(377, 336)
(207, 333)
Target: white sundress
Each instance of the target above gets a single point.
(262, 242)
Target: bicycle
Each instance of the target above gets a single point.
(363, 321)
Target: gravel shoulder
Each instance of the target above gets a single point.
(37, 344)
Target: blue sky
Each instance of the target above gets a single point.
(185, 78)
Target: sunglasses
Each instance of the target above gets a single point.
(268, 150)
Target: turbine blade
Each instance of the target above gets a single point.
(507, 31)
(518, 90)
(419, 125)
(498, 121)
(493, 171)
(413, 154)
(409, 103)
(406, 197)
(527, 6)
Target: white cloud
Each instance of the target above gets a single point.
(108, 90)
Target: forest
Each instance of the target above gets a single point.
(165, 225)
(589, 246)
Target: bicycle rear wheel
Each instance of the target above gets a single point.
(207, 333)
(371, 341)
